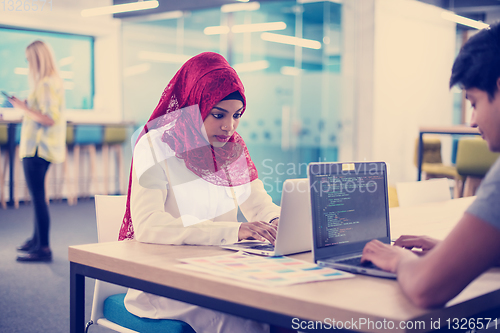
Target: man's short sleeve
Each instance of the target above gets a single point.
(487, 204)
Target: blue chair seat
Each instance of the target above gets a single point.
(115, 311)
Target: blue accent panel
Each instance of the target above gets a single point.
(454, 148)
(17, 138)
(115, 311)
(88, 134)
(275, 165)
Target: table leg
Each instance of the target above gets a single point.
(420, 155)
(11, 138)
(77, 301)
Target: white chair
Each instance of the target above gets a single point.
(109, 214)
(415, 193)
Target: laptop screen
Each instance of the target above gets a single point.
(349, 203)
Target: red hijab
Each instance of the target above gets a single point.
(203, 80)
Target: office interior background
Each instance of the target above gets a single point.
(374, 71)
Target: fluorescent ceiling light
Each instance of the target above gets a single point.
(309, 43)
(217, 30)
(137, 69)
(258, 27)
(464, 20)
(20, 71)
(243, 0)
(238, 7)
(287, 70)
(163, 57)
(251, 66)
(122, 8)
(157, 16)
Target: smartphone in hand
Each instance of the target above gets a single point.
(5, 94)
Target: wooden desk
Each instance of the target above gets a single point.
(152, 268)
(459, 130)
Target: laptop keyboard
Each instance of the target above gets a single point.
(265, 247)
(356, 261)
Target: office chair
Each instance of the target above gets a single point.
(432, 162)
(393, 197)
(474, 159)
(108, 309)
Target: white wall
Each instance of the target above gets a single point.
(413, 55)
(357, 75)
(65, 17)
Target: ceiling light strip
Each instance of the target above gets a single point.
(308, 43)
(238, 7)
(122, 8)
(464, 20)
(217, 30)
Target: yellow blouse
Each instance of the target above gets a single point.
(48, 98)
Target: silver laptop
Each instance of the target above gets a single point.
(350, 207)
(294, 229)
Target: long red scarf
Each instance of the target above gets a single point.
(203, 80)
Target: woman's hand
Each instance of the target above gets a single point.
(17, 103)
(261, 231)
(384, 256)
(424, 243)
(35, 115)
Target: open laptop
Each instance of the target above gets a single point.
(294, 228)
(350, 207)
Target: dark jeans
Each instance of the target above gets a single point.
(35, 169)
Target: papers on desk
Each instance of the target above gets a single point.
(266, 271)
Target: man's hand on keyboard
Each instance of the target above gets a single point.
(384, 256)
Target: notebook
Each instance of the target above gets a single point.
(350, 207)
(294, 229)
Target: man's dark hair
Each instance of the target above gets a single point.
(478, 63)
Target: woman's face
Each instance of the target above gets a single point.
(222, 121)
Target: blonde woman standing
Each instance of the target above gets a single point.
(43, 139)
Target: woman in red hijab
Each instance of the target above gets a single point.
(190, 173)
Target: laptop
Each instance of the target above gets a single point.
(294, 229)
(350, 207)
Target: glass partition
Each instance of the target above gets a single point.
(294, 93)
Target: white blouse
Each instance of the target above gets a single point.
(171, 205)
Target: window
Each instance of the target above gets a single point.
(74, 56)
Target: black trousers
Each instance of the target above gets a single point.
(35, 169)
